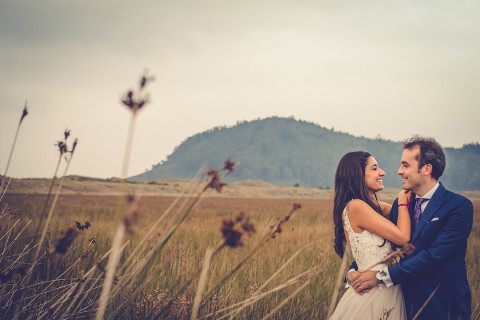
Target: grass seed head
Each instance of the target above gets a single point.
(232, 236)
(296, 206)
(90, 248)
(9, 274)
(398, 254)
(65, 241)
(229, 165)
(277, 228)
(86, 253)
(136, 100)
(66, 133)
(248, 227)
(74, 145)
(215, 181)
(132, 214)
(25, 112)
(144, 80)
(62, 147)
(80, 226)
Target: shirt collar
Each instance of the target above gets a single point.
(430, 193)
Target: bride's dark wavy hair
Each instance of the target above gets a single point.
(349, 184)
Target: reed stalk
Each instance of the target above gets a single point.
(139, 269)
(83, 284)
(309, 275)
(273, 276)
(339, 281)
(140, 255)
(24, 114)
(417, 314)
(2, 192)
(110, 271)
(32, 299)
(52, 209)
(305, 277)
(201, 283)
(134, 101)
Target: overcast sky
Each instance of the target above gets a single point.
(388, 68)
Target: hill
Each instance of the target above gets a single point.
(287, 151)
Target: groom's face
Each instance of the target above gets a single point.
(411, 177)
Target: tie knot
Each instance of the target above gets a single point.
(419, 201)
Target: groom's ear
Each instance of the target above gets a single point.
(427, 169)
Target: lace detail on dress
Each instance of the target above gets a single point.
(366, 246)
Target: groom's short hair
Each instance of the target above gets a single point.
(431, 152)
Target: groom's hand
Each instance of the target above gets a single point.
(364, 281)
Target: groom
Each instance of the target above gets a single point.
(434, 278)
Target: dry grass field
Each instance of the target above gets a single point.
(289, 276)
(166, 187)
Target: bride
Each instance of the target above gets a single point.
(359, 220)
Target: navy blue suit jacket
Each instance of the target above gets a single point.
(437, 265)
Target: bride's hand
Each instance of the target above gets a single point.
(364, 281)
(404, 197)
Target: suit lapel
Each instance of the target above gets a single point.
(432, 208)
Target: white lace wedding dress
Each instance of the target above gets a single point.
(381, 302)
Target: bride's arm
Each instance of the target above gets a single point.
(386, 208)
(362, 216)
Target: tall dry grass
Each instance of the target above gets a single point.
(183, 256)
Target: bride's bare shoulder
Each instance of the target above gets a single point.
(355, 204)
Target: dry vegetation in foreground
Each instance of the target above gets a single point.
(162, 291)
(182, 256)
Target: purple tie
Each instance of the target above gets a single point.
(418, 209)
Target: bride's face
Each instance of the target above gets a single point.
(373, 175)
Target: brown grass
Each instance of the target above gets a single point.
(171, 187)
(183, 257)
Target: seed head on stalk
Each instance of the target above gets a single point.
(134, 100)
(24, 114)
(229, 166)
(215, 179)
(65, 241)
(277, 228)
(61, 246)
(248, 228)
(132, 214)
(232, 235)
(80, 226)
(63, 150)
